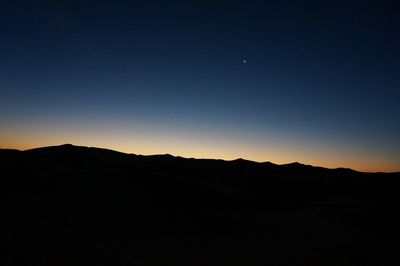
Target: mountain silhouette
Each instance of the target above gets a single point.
(73, 205)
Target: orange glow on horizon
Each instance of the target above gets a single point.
(203, 151)
(200, 142)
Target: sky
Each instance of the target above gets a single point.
(316, 82)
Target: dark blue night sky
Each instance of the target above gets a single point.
(310, 81)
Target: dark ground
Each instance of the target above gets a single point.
(70, 205)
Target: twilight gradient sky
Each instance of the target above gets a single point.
(321, 84)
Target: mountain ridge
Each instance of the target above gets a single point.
(76, 148)
(78, 204)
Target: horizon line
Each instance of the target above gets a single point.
(202, 158)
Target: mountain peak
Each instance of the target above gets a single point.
(66, 145)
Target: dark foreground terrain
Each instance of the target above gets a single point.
(70, 205)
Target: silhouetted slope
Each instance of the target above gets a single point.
(71, 153)
(70, 205)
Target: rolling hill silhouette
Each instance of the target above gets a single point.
(72, 205)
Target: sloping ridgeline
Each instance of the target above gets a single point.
(70, 205)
